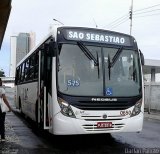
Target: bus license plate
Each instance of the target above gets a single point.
(104, 124)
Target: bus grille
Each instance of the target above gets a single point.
(100, 118)
(93, 128)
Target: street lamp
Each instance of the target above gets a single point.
(58, 21)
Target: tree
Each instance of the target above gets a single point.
(2, 73)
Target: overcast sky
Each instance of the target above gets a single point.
(38, 15)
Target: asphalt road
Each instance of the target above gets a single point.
(23, 138)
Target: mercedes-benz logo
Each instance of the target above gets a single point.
(104, 116)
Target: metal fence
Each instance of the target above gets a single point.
(152, 97)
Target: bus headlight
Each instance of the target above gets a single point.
(65, 108)
(137, 108)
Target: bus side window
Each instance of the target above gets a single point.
(17, 76)
(31, 67)
(22, 72)
(26, 73)
(36, 65)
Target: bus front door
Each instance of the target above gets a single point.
(45, 63)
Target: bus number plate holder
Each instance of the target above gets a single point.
(104, 124)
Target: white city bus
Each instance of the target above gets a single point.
(83, 81)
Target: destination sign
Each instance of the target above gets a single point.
(98, 37)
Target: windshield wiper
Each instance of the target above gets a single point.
(114, 59)
(116, 56)
(109, 67)
(98, 64)
(88, 53)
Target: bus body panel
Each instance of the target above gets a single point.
(27, 96)
(68, 126)
(16, 98)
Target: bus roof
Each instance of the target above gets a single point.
(95, 35)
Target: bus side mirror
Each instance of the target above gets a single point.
(16, 76)
(142, 57)
(52, 49)
(15, 81)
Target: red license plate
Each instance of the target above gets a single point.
(104, 124)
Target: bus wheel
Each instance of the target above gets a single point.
(20, 106)
(36, 113)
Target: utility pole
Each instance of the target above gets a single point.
(130, 16)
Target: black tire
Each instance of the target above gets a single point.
(20, 107)
(36, 114)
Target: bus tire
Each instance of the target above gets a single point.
(36, 113)
(20, 107)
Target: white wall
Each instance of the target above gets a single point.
(152, 95)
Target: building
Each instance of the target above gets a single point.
(151, 70)
(20, 46)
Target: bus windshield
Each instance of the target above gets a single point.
(109, 73)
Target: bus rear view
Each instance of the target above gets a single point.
(99, 82)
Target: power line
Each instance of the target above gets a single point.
(117, 20)
(118, 24)
(146, 15)
(146, 12)
(125, 17)
(110, 27)
(147, 8)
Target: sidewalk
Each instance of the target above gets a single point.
(19, 138)
(152, 115)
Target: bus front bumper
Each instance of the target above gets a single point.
(68, 126)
